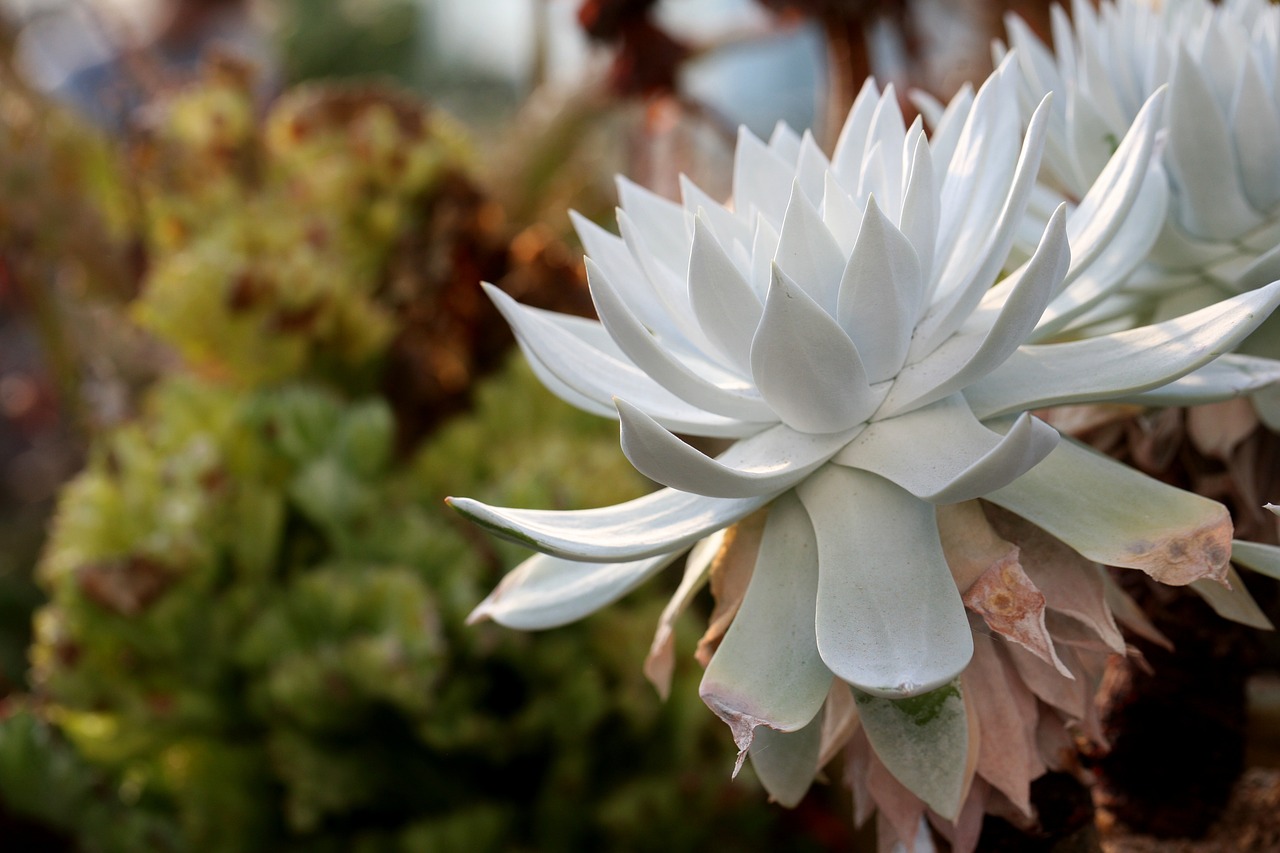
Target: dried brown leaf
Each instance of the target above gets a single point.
(1078, 420)
(1007, 718)
(986, 568)
(1071, 584)
(839, 721)
(1217, 428)
(730, 574)
(897, 806)
(969, 542)
(963, 833)
(660, 663)
(1130, 615)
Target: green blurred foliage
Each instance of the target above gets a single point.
(267, 246)
(255, 637)
(257, 620)
(322, 38)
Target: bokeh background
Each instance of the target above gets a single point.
(244, 356)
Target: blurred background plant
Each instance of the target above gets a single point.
(239, 296)
(253, 637)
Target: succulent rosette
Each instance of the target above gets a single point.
(840, 323)
(1219, 62)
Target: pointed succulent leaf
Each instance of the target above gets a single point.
(1231, 600)
(767, 670)
(545, 592)
(723, 301)
(889, 618)
(583, 358)
(728, 227)
(1109, 204)
(964, 280)
(1122, 364)
(762, 465)
(1226, 377)
(977, 460)
(1086, 285)
(805, 365)
(761, 179)
(786, 762)
(966, 358)
(658, 361)
(658, 523)
(1202, 160)
(807, 252)
(1261, 558)
(1115, 515)
(923, 741)
(881, 294)
(851, 145)
(662, 222)
(1254, 120)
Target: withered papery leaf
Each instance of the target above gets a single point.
(1071, 584)
(970, 543)
(896, 805)
(1070, 695)
(839, 721)
(730, 574)
(857, 772)
(1130, 615)
(1217, 428)
(963, 833)
(660, 663)
(1053, 740)
(1000, 591)
(1007, 716)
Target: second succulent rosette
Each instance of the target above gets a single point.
(893, 537)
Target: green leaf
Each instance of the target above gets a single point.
(924, 742)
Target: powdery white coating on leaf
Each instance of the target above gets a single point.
(786, 762)
(979, 460)
(1117, 516)
(924, 742)
(1231, 600)
(763, 465)
(869, 632)
(1137, 360)
(766, 670)
(729, 573)
(662, 522)
(1261, 558)
(545, 592)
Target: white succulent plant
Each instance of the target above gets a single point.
(1220, 63)
(840, 325)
